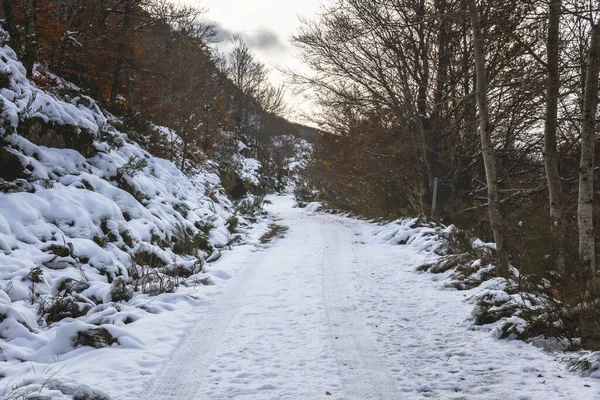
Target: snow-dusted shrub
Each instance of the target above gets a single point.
(57, 308)
(493, 302)
(70, 285)
(150, 274)
(47, 387)
(5, 77)
(120, 290)
(587, 365)
(469, 259)
(304, 194)
(232, 223)
(187, 242)
(96, 338)
(251, 206)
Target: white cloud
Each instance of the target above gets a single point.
(267, 27)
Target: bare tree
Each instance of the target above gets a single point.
(248, 75)
(11, 26)
(31, 45)
(128, 8)
(585, 208)
(485, 131)
(550, 128)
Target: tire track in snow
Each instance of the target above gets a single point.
(363, 374)
(182, 374)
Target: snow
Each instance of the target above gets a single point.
(330, 308)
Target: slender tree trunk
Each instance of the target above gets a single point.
(550, 154)
(183, 153)
(443, 63)
(487, 149)
(425, 126)
(586, 166)
(31, 46)
(15, 40)
(114, 91)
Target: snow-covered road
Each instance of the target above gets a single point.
(326, 312)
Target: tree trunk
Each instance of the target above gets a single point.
(31, 46)
(15, 40)
(557, 215)
(114, 91)
(183, 154)
(487, 148)
(443, 64)
(585, 208)
(424, 122)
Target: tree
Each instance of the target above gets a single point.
(31, 44)
(256, 99)
(15, 41)
(121, 48)
(485, 131)
(585, 210)
(558, 224)
(248, 75)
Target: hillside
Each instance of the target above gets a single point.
(95, 232)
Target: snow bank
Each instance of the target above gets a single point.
(93, 236)
(412, 232)
(501, 307)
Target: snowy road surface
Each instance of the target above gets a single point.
(326, 313)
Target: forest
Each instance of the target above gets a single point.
(150, 62)
(487, 107)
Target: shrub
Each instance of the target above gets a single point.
(151, 280)
(70, 286)
(132, 167)
(232, 223)
(5, 77)
(120, 291)
(251, 206)
(182, 209)
(58, 250)
(96, 338)
(128, 171)
(35, 275)
(148, 258)
(206, 226)
(186, 242)
(54, 309)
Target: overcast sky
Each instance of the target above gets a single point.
(265, 25)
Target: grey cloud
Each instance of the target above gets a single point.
(264, 39)
(223, 34)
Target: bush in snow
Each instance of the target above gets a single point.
(96, 338)
(54, 309)
(120, 290)
(587, 365)
(50, 388)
